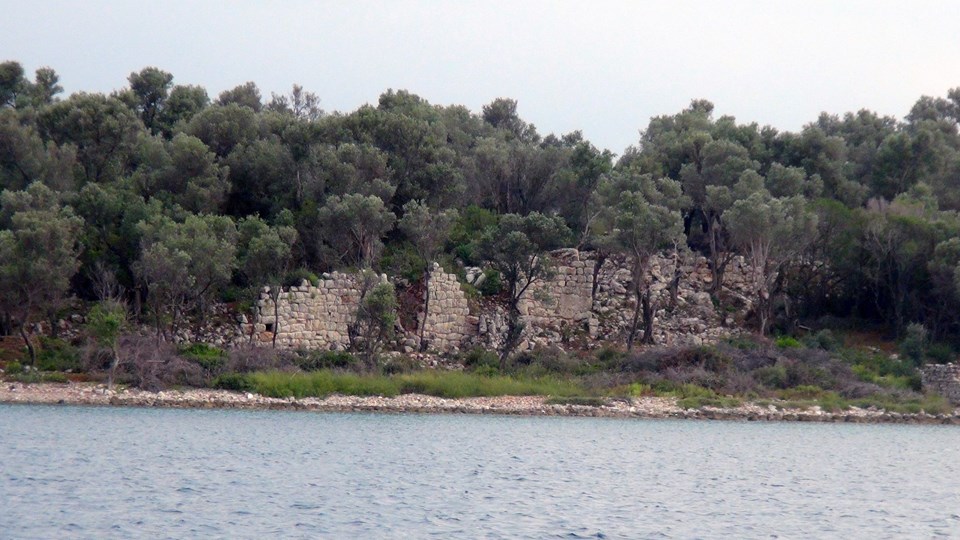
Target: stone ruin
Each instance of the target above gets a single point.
(943, 379)
(567, 308)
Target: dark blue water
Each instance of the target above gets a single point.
(71, 472)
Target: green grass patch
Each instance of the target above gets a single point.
(34, 376)
(206, 356)
(442, 384)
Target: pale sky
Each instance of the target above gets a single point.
(602, 67)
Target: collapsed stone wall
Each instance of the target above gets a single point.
(944, 379)
(567, 308)
(568, 304)
(313, 317)
(448, 323)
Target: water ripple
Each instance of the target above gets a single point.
(138, 473)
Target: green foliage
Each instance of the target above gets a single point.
(470, 224)
(57, 355)
(823, 339)
(210, 358)
(237, 382)
(13, 368)
(313, 360)
(30, 377)
(402, 260)
(913, 347)
(491, 284)
(787, 342)
(479, 358)
(106, 321)
(295, 278)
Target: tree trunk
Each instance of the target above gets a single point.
(26, 339)
(426, 307)
(601, 258)
(674, 286)
(514, 331)
(636, 318)
(647, 318)
(276, 313)
(113, 366)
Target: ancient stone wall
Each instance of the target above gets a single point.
(448, 322)
(565, 300)
(566, 309)
(567, 305)
(944, 379)
(310, 317)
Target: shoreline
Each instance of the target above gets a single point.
(92, 394)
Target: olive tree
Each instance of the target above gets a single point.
(265, 256)
(641, 217)
(517, 248)
(428, 230)
(353, 226)
(39, 254)
(773, 232)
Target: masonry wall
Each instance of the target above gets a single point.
(310, 317)
(448, 324)
(943, 379)
(564, 310)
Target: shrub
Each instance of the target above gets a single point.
(14, 368)
(248, 358)
(477, 359)
(788, 342)
(914, 344)
(317, 360)
(206, 356)
(491, 284)
(295, 278)
(401, 259)
(771, 376)
(233, 381)
(57, 355)
(940, 353)
(400, 364)
(823, 339)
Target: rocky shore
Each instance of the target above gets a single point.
(644, 407)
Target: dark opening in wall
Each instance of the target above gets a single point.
(269, 327)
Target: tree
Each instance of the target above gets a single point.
(24, 158)
(184, 265)
(103, 130)
(353, 226)
(46, 86)
(428, 230)
(181, 105)
(640, 218)
(301, 104)
(376, 317)
(709, 182)
(245, 95)
(105, 322)
(38, 256)
(150, 87)
(517, 248)
(773, 232)
(12, 83)
(182, 171)
(265, 257)
(223, 127)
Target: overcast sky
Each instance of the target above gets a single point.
(602, 67)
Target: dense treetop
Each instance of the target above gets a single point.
(175, 197)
